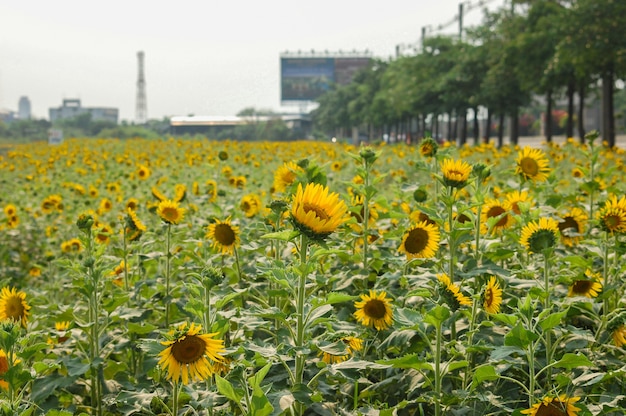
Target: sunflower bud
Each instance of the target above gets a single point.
(223, 155)
(481, 171)
(420, 195)
(85, 222)
(368, 155)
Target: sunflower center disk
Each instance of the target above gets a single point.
(582, 287)
(188, 350)
(224, 234)
(529, 166)
(416, 241)
(15, 309)
(569, 226)
(319, 212)
(375, 309)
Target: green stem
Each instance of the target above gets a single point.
(451, 242)
(168, 266)
(547, 307)
(605, 272)
(531, 374)
(366, 216)
(438, 375)
(470, 338)
(300, 358)
(175, 399)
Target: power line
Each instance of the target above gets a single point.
(464, 7)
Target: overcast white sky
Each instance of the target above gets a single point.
(211, 57)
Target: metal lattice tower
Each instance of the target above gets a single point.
(141, 111)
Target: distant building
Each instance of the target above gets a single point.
(72, 108)
(23, 108)
(211, 126)
(7, 116)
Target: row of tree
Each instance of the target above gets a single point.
(547, 48)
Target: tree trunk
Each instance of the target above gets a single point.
(463, 133)
(424, 125)
(501, 130)
(569, 128)
(548, 117)
(514, 137)
(488, 126)
(581, 112)
(476, 127)
(608, 120)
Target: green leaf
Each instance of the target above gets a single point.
(484, 373)
(407, 318)
(140, 328)
(551, 320)
(437, 315)
(570, 360)
(519, 337)
(226, 389)
(337, 297)
(257, 378)
(259, 405)
(286, 235)
(509, 320)
(408, 361)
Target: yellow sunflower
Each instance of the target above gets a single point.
(170, 212)
(572, 226)
(428, 147)
(189, 354)
(134, 228)
(132, 204)
(455, 172)
(515, 198)
(72, 246)
(541, 235)
(374, 310)
(156, 192)
(286, 175)
(317, 212)
(211, 190)
(492, 296)
(143, 172)
(578, 173)
(553, 406)
(102, 234)
(420, 241)
(612, 215)
(10, 210)
(250, 205)
(180, 192)
(500, 215)
(451, 293)
(589, 287)
(13, 306)
(618, 333)
(353, 344)
(532, 164)
(225, 236)
(4, 367)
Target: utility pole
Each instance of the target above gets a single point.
(460, 21)
(141, 112)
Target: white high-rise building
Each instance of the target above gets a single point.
(23, 108)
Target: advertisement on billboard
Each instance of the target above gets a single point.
(305, 79)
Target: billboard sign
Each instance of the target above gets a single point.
(55, 136)
(305, 79)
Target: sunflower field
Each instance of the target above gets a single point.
(195, 277)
